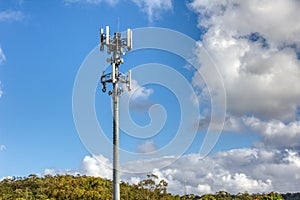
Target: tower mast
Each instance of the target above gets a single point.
(118, 46)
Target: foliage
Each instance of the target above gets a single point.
(290, 196)
(86, 187)
(79, 187)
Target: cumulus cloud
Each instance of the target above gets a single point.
(249, 170)
(275, 133)
(154, 8)
(275, 20)
(96, 166)
(252, 170)
(9, 15)
(138, 97)
(147, 147)
(231, 123)
(139, 92)
(199, 176)
(257, 59)
(54, 172)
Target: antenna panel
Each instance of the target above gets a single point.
(113, 74)
(129, 39)
(107, 35)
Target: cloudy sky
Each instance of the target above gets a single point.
(251, 47)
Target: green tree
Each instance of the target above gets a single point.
(270, 196)
(243, 196)
(223, 195)
(208, 197)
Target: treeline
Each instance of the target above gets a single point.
(86, 187)
(61, 187)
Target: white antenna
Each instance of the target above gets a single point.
(113, 74)
(118, 46)
(129, 39)
(107, 35)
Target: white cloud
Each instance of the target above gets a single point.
(139, 92)
(276, 20)
(154, 8)
(9, 15)
(93, 2)
(54, 172)
(147, 147)
(137, 99)
(231, 124)
(203, 188)
(2, 147)
(275, 133)
(6, 177)
(96, 166)
(256, 58)
(252, 170)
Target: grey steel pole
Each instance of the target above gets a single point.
(116, 174)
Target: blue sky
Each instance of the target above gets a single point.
(42, 47)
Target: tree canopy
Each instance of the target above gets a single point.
(87, 187)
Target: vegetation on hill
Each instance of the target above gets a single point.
(86, 187)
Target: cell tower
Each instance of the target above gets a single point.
(116, 46)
